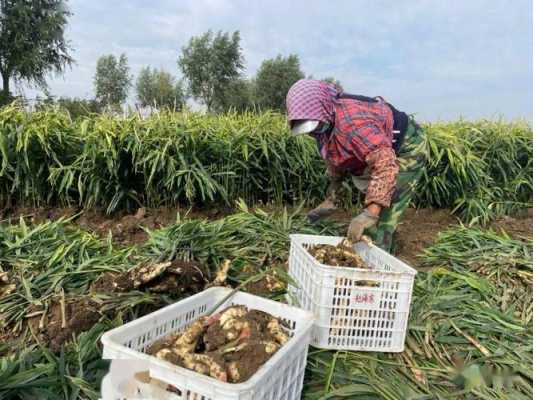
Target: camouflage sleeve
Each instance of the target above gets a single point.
(334, 174)
(384, 169)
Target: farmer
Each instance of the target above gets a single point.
(382, 148)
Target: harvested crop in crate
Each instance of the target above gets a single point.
(341, 255)
(229, 346)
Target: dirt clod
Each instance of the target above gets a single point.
(59, 324)
(266, 286)
(177, 277)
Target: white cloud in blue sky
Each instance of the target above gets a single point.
(439, 60)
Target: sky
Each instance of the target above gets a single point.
(439, 60)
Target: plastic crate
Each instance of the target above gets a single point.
(129, 388)
(351, 314)
(281, 377)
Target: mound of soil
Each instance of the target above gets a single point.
(57, 325)
(126, 229)
(515, 227)
(266, 286)
(230, 346)
(36, 215)
(418, 230)
(178, 278)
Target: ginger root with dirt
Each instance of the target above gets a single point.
(6, 285)
(181, 278)
(229, 346)
(342, 255)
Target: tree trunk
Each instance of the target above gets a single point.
(5, 84)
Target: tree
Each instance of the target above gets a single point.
(32, 41)
(210, 64)
(112, 80)
(274, 79)
(159, 89)
(77, 107)
(334, 82)
(238, 96)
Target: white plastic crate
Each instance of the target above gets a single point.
(351, 315)
(115, 387)
(281, 377)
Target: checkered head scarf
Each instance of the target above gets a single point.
(311, 99)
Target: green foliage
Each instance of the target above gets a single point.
(159, 89)
(274, 79)
(112, 81)
(6, 98)
(36, 373)
(50, 258)
(250, 235)
(77, 107)
(482, 169)
(74, 106)
(32, 42)
(210, 63)
(238, 96)
(334, 82)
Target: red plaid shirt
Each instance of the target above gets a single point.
(362, 137)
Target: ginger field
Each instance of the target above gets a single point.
(86, 203)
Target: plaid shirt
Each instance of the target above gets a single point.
(361, 138)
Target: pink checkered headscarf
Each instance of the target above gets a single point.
(311, 99)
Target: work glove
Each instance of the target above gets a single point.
(324, 209)
(328, 206)
(357, 226)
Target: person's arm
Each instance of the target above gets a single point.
(384, 169)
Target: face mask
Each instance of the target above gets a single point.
(324, 127)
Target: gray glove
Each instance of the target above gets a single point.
(324, 209)
(328, 206)
(357, 226)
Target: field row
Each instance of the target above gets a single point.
(481, 169)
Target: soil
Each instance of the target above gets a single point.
(79, 315)
(179, 278)
(247, 361)
(266, 286)
(126, 229)
(239, 341)
(515, 227)
(418, 230)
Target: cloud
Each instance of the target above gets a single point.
(437, 59)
